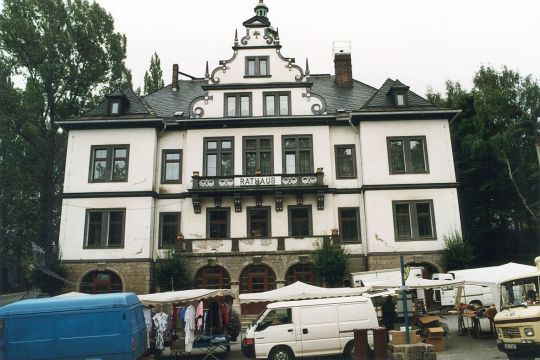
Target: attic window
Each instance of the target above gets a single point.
(400, 100)
(115, 107)
(257, 66)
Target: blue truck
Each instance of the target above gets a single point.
(107, 327)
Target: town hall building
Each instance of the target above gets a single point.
(247, 169)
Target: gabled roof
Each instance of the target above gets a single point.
(382, 99)
(166, 102)
(339, 98)
(134, 107)
(257, 21)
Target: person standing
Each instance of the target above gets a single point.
(389, 315)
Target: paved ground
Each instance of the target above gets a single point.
(457, 347)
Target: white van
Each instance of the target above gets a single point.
(470, 293)
(290, 329)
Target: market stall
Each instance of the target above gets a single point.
(193, 319)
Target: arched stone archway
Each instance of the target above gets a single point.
(304, 272)
(104, 281)
(213, 277)
(256, 278)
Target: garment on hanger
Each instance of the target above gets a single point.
(160, 322)
(189, 327)
(174, 317)
(199, 315)
(224, 311)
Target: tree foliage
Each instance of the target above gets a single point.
(153, 78)
(331, 263)
(171, 273)
(496, 163)
(65, 53)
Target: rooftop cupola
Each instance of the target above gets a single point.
(261, 9)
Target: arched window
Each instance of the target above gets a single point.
(302, 272)
(213, 277)
(257, 278)
(101, 282)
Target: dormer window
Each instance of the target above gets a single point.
(257, 66)
(400, 100)
(115, 108)
(237, 105)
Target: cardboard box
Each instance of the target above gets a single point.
(435, 332)
(399, 337)
(439, 343)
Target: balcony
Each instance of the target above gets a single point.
(277, 185)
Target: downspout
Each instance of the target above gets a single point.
(156, 181)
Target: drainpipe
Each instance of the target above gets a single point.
(352, 125)
(156, 181)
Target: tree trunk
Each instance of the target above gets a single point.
(511, 176)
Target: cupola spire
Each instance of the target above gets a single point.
(261, 9)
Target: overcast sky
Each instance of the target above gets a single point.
(421, 42)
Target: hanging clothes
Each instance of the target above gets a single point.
(174, 317)
(199, 315)
(224, 311)
(147, 312)
(189, 327)
(160, 322)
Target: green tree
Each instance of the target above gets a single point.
(66, 53)
(331, 263)
(153, 78)
(457, 253)
(496, 165)
(171, 273)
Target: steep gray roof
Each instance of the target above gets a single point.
(135, 106)
(382, 100)
(341, 98)
(166, 102)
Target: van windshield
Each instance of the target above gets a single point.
(520, 292)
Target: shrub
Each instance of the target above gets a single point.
(331, 264)
(457, 253)
(171, 273)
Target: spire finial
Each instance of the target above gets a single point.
(207, 72)
(307, 67)
(261, 9)
(235, 37)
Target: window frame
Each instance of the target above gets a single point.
(396, 97)
(160, 235)
(208, 225)
(297, 152)
(105, 228)
(257, 60)
(413, 220)
(407, 159)
(277, 107)
(118, 103)
(338, 170)
(218, 152)
(164, 163)
(268, 219)
(238, 102)
(357, 217)
(310, 219)
(257, 151)
(109, 163)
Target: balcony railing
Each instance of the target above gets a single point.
(257, 181)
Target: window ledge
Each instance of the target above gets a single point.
(416, 239)
(256, 76)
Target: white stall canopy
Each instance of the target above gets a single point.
(183, 297)
(414, 283)
(299, 291)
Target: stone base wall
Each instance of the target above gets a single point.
(391, 261)
(136, 275)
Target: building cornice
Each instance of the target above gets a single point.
(240, 86)
(90, 124)
(450, 115)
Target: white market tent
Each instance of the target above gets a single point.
(492, 276)
(299, 291)
(182, 297)
(414, 283)
(72, 294)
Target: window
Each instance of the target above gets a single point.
(300, 221)
(345, 161)
(218, 156)
(297, 154)
(258, 221)
(257, 278)
(218, 223)
(213, 277)
(400, 100)
(258, 155)
(101, 282)
(237, 105)
(275, 317)
(169, 228)
(115, 108)
(171, 169)
(109, 163)
(414, 220)
(407, 155)
(348, 224)
(277, 103)
(302, 272)
(105, 228)
(257, 66)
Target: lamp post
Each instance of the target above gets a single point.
(404, 299)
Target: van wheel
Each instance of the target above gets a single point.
(281, 353)
(348, 353)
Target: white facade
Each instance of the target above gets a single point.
(371, 191)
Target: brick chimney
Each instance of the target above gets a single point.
(175, 77)
(342, 63)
